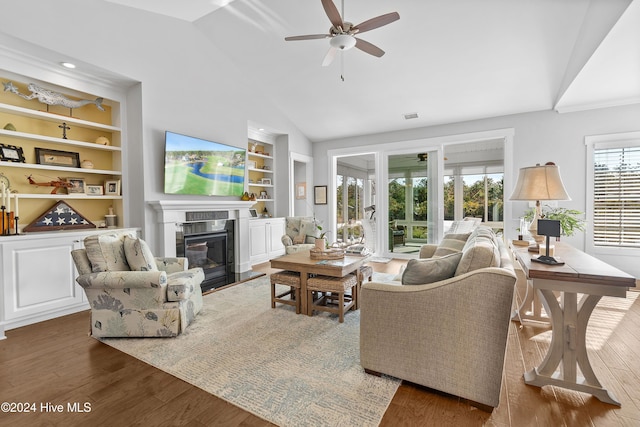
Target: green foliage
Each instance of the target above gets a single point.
(570, 220)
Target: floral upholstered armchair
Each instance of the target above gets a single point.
(300, 234)
(132, 293)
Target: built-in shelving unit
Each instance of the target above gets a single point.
(38, 126)
(261, 160)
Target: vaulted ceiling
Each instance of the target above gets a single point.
(446, 60)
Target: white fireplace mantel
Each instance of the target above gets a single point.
(171, 213)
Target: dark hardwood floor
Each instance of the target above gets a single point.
(57, 363)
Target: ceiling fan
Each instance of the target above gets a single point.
(342, 33)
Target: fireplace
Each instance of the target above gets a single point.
(180, 219)
(209, 245)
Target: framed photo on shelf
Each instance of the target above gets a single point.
(320, 195)
(11, 153)
(77, 185)
(94, 190)
(253, 213)
(112, 188)
(301, 190)
(45, 156)
(266, 181)
(251, 164)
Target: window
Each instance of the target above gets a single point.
(616, 195)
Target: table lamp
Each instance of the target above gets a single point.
(536, 183)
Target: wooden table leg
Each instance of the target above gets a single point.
(530, 308)
(303, 292)
(568, 349)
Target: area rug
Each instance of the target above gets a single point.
(292, 370)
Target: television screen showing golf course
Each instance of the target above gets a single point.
(201, 167)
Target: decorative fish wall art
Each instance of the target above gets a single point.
(51, 98)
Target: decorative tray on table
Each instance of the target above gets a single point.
(331, 253)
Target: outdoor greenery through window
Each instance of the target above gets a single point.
(616, 196)
(481, 196)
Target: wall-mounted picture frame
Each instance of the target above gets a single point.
(77, 185)
(93, 190)
(320, 195)
(11, 153)
(45, 156)
(301, 190)
(112, 188)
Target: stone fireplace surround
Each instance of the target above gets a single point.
(172, 213)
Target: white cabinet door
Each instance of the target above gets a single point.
(266, 239)
(275, 229)
(258, 236)
(39, 279)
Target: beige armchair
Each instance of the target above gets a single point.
(132, 293)
(449, 335)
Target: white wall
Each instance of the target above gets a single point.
(539, 137)
(187, 84)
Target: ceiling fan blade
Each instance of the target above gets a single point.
(328, 59)
(308, 37)
(332, 13)
(369, 48)
(377, 22)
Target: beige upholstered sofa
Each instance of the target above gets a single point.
(450, 334)
(300, 234)
(132, 293)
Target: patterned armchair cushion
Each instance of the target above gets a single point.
(172, 264)
(138, 254)
(309, 228)
(106, 252)
(124, 280)
(181, 285)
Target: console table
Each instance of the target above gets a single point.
(569, 316)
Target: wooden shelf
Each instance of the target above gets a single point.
(43, 115)
(67, 196)
(259, 170)
(60, 168)
(262, 156)
(70, 142)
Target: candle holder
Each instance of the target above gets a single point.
(3, 208)
(15, 221)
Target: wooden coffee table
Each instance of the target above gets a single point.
(583, 275)
(303, 264)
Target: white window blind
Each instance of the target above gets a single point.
(616, 196)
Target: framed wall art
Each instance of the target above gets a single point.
(11, 153)
(320, 194)
(301, 190)
(45, 156)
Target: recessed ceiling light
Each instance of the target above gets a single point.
(261, 129)
(68, 65)
(409, 116)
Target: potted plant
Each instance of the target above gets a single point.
(570, 219)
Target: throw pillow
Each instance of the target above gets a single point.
(299, 239)
(451, 243)
(139, 256)
(430, 270)
(106, 252)
(481, 254)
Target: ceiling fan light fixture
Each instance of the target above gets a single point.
(343, 41)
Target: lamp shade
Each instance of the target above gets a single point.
(540, 183)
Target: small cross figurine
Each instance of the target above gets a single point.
(64, 128)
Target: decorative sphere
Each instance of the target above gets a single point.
(103, 140)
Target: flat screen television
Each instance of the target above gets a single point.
(200, 167)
